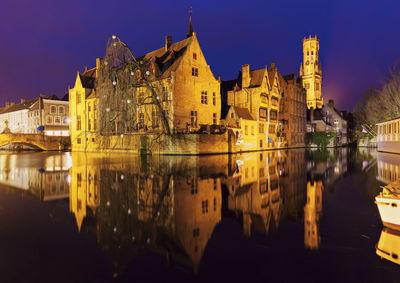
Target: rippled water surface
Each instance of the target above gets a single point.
(277, 216)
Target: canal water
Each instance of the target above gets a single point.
(278, 216)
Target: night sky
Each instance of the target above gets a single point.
(45, 42)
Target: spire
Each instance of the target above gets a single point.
(190, 28)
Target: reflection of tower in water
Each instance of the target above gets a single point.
(312, 213)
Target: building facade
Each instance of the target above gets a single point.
(51, 113)
(388, 136)
(311, 72)
(46, 114)
(188, 97)
(257, 92)
(336, 120)
(293, 111)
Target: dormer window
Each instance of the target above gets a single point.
(194, 56)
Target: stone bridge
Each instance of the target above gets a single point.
(41, 141)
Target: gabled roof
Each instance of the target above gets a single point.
(243, 113)
(168, 60)
(19, 106)
(256, 77)
(88, 78)
(271, 75)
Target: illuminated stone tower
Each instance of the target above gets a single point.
(311, 73)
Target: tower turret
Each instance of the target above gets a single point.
(310, 72)
(190, 28)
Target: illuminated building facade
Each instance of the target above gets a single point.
(187, 91)
(256, 94)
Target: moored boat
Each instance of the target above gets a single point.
(388, 202)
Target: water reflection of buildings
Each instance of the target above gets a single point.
(328, 165)
(312, 214)
(254, 191)
(47, 179)
(267, 187)
(388, 167)
(168, 206)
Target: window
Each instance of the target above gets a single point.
(196, 232)
(204, 97)
(273, 115)
(194, 56)
(53, 109)
(245, 130)
(307, 85)
(141, 120)
(214, 118)
(261, 128)
(193, 118)
(263, 113)
(261, 145)
(316, 86)
(264, 98)
(232, 115)
(78, 140)
(215, 204)
(155, 119)
(89, 125)
(89, 107)
(78, 123)
(252, 130)
(195, 72)
(94, 125)
(165, 93)
(57, 120)
(274, 101)
(261, 172)
(78, 98)
(49, 120)
(61, 110)
(312, 52)
(271, 129)
(204, 206)
(214, 99)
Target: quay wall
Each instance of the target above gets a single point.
(177, 144)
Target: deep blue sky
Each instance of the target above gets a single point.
(45, 42)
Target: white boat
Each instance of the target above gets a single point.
(388, 202)
(388, 246)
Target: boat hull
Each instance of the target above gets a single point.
(389, 209)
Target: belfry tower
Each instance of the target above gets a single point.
(311, 72)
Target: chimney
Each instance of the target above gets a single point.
(23, 100)
(7, 104)
(12, 103)
(42, 95)
(168, 42)
(331, 103)
(98, 63)
(245, 75)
